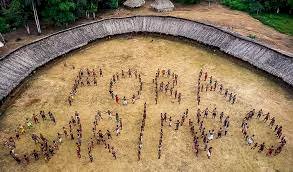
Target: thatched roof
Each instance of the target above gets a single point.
(18, 64)
(163, 5)
(134, 3)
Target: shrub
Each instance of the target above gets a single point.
(113, 4)
(4, 27)
(251, 36)
(59, 12)
(255, 7)
(188, 1)
(236, 4)
(14, 15)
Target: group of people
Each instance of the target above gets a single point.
(225, 121)
(115, 79)
(34, 120)
(103, 139)
(213, 85)
(163, 118)
(206, 136)
(141, 131)
(271, 150)
(45, 148)
(179, 122)
(168, 120)
(211, 134)
(42, 141)
(166, 87)
(50, 116)
(85, 77)
(73, 123)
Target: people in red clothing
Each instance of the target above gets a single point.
(117, 98)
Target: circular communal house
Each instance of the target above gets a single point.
(20, 63)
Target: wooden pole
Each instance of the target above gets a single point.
(3, 40)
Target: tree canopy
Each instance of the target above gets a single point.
(18, 13)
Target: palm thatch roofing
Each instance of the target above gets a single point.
(134, 3)
(163, 5)
(21, 62)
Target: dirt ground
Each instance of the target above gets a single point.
(50, 86)
(217, 14)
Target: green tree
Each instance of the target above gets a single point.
(59, 12)
(290, 4)
(34, 4)
(92, 8)
(277, 5)
(14, 14)
(113, 4)
(4, 26)
(81, 8)
(255, 7)
(267, 6)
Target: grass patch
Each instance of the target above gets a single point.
(281, 22)
(236, 4)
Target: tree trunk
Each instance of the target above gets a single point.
(27, 29)
(94, 15)
(87, 14)
(2, 38)
(36, 18)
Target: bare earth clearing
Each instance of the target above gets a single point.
(50, 86)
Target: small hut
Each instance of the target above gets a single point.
(163, 5)
(134, 3)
